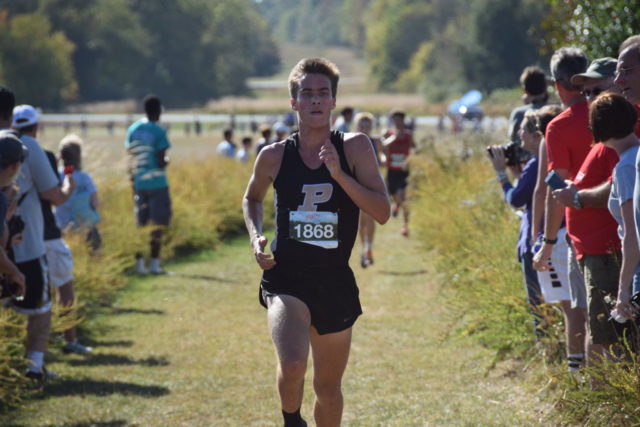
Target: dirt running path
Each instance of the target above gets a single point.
(192, 349)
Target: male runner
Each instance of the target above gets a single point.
(397, 149)
(321, 179)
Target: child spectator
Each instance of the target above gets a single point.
(80, 212)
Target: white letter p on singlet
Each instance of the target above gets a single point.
(314, 194)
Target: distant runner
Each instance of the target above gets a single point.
(397, 148)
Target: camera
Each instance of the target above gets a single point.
(16, 225)
(513, 153)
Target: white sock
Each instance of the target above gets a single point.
(36, 361)
(155, 264)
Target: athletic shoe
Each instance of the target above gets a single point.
(76, 348)
(141, 269)
(41, 376)
(157, 271)
(363, 261)
(369, 258)
(394, 210)
(404, 231)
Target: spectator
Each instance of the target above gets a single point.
(60, 262)
(556, 290)
(398, 147)
(585, 197)
(80, 212)
(227, 148)
(245, 151)
(343, 122)
(612, 121)
(147, 145)
(282, 131)
(366, 225)
(265, 132)
(567, 141)
(36, 181)
(12, 154)
(534, 86)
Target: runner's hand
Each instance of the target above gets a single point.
(329, 155)
(265, 261)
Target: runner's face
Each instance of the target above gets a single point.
(628, 75)
(314, 101)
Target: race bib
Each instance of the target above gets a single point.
(397, 160)
(314, 228)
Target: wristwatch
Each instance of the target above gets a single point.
(549, 241)
(576, 200)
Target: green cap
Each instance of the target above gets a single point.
(601, 68)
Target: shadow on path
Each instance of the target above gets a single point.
(106, 343)
(111, 423)
(116, 359)
(73, 387)
(404, 273)
(137, 311)
(206, 278)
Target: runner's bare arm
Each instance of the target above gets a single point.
(367, 190)
(264, 172)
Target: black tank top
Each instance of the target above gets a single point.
(303, 190)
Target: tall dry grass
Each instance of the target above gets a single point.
(460, 216)
(206, 197)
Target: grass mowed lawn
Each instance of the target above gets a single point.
(193, 349)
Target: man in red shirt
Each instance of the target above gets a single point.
(568, 141)
(397, 149)
(597, 248)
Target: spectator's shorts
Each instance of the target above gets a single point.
(60, 262)
(153, 205)
(554, 282)
(601, 274)
(330, 294)
(396, 180)
(37, 300)
(577, 288)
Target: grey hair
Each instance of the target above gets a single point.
(567, 62)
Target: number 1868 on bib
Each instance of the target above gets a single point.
(314, 228)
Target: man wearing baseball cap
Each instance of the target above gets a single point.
(36, 180)
(597, 248)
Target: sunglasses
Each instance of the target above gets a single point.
(592, 92)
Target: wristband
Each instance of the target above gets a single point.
(549, 241)
(576, 200)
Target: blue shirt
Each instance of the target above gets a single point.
(144, 141)
(522, 196)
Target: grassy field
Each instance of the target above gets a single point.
(192, 349)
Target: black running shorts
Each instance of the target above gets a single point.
(330, 294)
(396, 181)
(37, 300)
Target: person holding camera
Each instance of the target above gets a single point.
(538, 289)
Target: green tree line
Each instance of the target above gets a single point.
(186, 51)
(444, 47)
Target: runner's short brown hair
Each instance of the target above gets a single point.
(313, 66)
